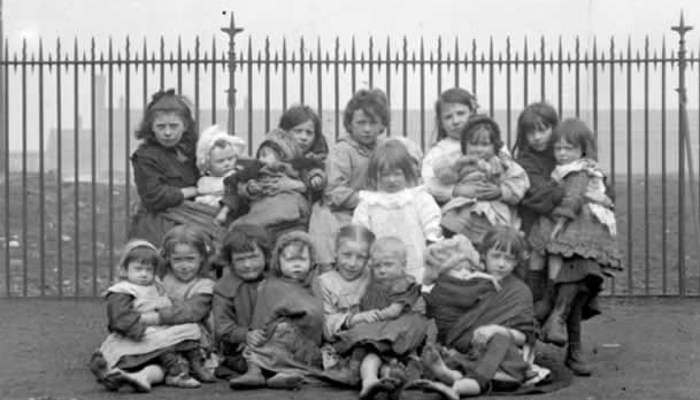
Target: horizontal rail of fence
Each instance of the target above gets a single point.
(70, 113)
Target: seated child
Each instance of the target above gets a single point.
(139, 352)
(245, 252)
(274, 187)
(495, 182)
(187, 283)
(289, 317)
(484, 326)
(217, 158)
(394, 326)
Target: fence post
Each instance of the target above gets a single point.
(231, 30)
(3, 150)
(685, 150)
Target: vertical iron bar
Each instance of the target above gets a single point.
(214, 61)
(577, 82)
(404, 102)
(491, 74)
(319, 82)
(301, 70)
(93, 171)
(267, 84)
(630, 258)
(179, 64)
(594, 65)
(560, 78)
(664, 252)
(231, 31)
(647, 243)
(508, 94)
(336, 87)
(388, 79)
(127, 135)
(422, 95)
(543, 69)
(456, 62)
(249, 65)
(439, 66)
(59, 164)
(353, 77)
(525, 71)
(197, 105)
(370, 62)
(5, 121)
(145, 75)
(42, 193)
(24, 168)
(474, 63)
(110, 159)
(612, 126)
(161, 63)
(284, 73)
(76, 173)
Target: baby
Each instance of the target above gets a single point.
(457, 258)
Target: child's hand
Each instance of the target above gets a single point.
(316, 183)
(255, 337)
(150, 318)
(366, 317)
(557, 228)
(221, 216)
(484, 333)
(253, 188)
(391, 312)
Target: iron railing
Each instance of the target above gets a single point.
(67, 190)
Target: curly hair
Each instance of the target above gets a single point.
(372, 102)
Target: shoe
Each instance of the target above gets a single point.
(554, 329)
(201, 373)
(182, 381)
(252, 379)
(283, 380)
(576, 362)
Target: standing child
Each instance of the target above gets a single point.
(245, 252)
(188, 285)
(290, 318)
(139, 351)
(582, 227)
(165, 172)
(217, 157)
(395, 326)
(492, 182)
(305, 126)
(365, 118)
(396, 206)
(452, 110)
(273, 187)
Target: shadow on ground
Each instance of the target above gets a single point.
(641, 349)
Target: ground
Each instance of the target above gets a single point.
(641, 349)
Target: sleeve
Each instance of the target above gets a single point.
(430, 216)
(152, 185)
(338, 192)
(544, 193)
(226, 329)
(122, 318)
(361, 215)
(570, 206)
(334, 319)
(514, 183)
(441, 191)
(194, 309)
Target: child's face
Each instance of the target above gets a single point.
(222, 160)
(248, 265)
(481, 145)
(351, 258)
(304, 135)
(500, 263)
(295, 261)
(453, 117)
(168, 128)
(268, 156)
(387, 265)
(538, 139)
(391, 180)
(185, 262)
(365, 128)
(140, 273)
(566, 152)
(461, 271)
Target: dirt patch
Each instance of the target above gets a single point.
(641, 349)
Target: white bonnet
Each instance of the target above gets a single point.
(207, 139)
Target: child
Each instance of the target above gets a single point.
(365, 118)
(187, 283)
(138, 351)
(273, 187)
(305, 126)
(486, 324)
(245, 252)
(493, 182)
(583, 224)
(165, 173)
(395, 327)
(395, 206)
(452, 110)
(290, 318)
(217, 156)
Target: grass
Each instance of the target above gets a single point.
(651, 257)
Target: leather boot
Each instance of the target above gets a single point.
(575, 360)
(197, 368)
(253, 378)
(554, 329)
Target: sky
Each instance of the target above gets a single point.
(326, 19)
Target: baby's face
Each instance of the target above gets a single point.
(388, 265)
(462, 271)
(140, 273)
(481, 146)
(268, 156)
(222, 160)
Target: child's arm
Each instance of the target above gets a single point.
(226, 327)
(430, 216)
(514, 183)
(484, 333)
(155, 193)
(335, 320)
(544, 193)
(361, 215)
(122, 318)
(338, 193)
(575, 189)
(195, 309)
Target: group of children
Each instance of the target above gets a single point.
(366, 264)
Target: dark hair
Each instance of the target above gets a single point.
(191, 236)
(243, 239)
(454, 95)
(354, 232)
(298, 114)
(167, 101)
(475, 124)
(576, 132)
(372, 102)
(536, 116)
(504, 238)
(391, 154)
(142, 254)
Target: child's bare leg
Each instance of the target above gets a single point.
(253, 378)
(467, 387)
(434, 362)
(141, 380)
(369, 373)
(554, 264)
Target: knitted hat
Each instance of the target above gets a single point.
(207, 139)
(282, 142)
(283, 241)
(447, 254)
